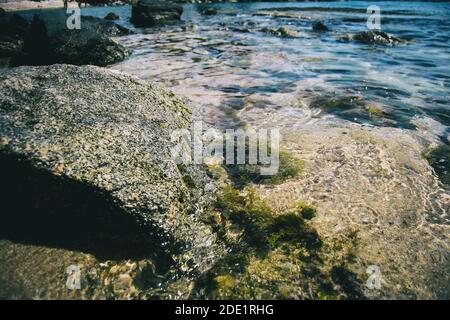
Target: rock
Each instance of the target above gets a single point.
(10, 46)
(209, 11)
(319, 26)
(89, 45)
(277, 14)
(2, 12)
(107, 28)
(80, 47)
(124, 282)
(87, 150)
(150, 13)
(13, 29)
(36, 48)
(111, 16)
(281, 32)
(374, 37)
(47, 40)
(17, 24)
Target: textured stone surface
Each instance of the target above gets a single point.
(374, 37)
(149, 13)
(98, 141)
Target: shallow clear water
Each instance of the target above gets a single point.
(237, 74)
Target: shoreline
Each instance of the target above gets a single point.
(350, 196)
(31, 5)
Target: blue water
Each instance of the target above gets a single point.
(226, 61)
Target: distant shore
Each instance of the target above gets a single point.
(27, 5)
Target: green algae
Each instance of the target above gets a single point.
(374, 111)
(291, 228)
(275, 256)
(355, 109)
(289, 167)
(439, 159)
(188, 181)
(338, 103)
(305, 210)
(249, 212)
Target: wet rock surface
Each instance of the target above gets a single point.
(284, 31)
(87, 151)
(45, 39)
(150, 13)
(111, 16)
(376, 199)
(80, 47)
(208, 11)
(374, 37)
(319, 26)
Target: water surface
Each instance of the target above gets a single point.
(237, 74)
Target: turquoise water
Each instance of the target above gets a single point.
(224, 61)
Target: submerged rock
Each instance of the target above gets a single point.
(378, 198)
(374, 37)
(87, 152)
(281, 32)
(319, 26)
(111, 16)
(439, 159)
(210, 11)
(150, 13)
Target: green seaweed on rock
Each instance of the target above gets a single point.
(439, 159)
(276, 256)
(305, 210)
(243, 174)
(338, 103)
(356, 109)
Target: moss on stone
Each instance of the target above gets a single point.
(289, 167)
(265, 261)
(188, 181)
(337, 103)
(224, 285)
(247, 211)
(374, 110)
(291, 228)
(305, 210)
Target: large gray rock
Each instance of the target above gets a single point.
(85, 163)
(150, 13)
(80, 47)
(46, 40)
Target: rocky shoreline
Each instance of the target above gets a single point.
(88, 180)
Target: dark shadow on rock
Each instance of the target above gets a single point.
(40, 208)
(348, 282)
(48, 41)
(36, 49)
